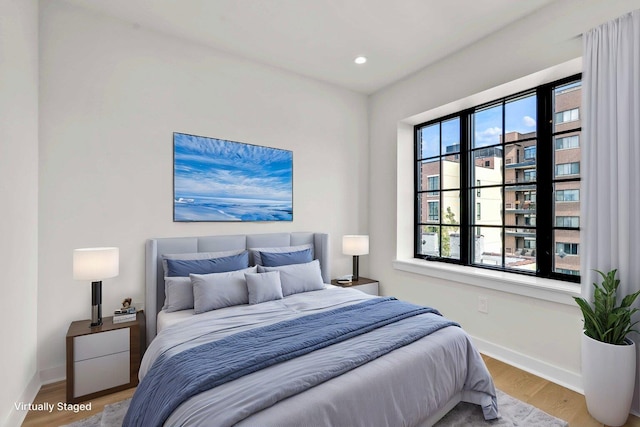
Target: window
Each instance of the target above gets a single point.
(568, 116)
(530, 153)
(568, 168)
(567, 142)
(567, 195)
(530, 175)
(433, 183)
(434, 211)
(482, 206)
(567, 248)
(568, 221)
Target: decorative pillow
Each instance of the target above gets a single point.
(263, 287)
(187, 256)
(298, 278)
(275, 259)
(184, 267)
(178, 294)
(197, 255)
(219, 290)
(256, 258)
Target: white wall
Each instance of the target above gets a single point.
(111, 94)
(19, 203)
(539, 335)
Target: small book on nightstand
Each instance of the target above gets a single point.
(120, 318)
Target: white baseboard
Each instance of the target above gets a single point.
(30, 392)
(53, 375)
(560, 376)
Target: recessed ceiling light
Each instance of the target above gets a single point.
(360, 60)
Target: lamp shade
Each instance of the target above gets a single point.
(355, 245)
(96, 264)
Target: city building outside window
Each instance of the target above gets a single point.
(485, 167)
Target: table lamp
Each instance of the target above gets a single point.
(356, 246)
(96, 264)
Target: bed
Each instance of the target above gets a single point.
(350, 381)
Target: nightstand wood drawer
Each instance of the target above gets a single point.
(369, 288)
(101, 373)
(97, 345)
(103, 359)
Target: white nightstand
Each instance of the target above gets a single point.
(368, 286)
(103, 359)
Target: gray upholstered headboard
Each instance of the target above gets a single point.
(154, 298)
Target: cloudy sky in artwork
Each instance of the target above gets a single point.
(216, 168)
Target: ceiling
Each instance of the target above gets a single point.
(321, 38)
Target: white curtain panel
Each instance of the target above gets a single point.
(610, 194)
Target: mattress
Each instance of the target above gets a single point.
(165, 318)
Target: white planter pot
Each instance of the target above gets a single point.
(609, 377)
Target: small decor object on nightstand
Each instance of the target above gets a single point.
(343, 280)
(125, 314)
(127, 308)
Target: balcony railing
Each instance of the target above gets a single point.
(527, 163)
(521, 187)
(520, 232)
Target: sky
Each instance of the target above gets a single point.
(520, 116)
(209, 167)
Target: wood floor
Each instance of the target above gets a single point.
(549, 397)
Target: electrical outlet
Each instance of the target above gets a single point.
(483, 305)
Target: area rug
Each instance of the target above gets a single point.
(513, 412)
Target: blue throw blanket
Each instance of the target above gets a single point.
(173, 380)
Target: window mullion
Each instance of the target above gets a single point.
(465, 196)
(544, 205)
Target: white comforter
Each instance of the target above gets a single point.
(402, 388)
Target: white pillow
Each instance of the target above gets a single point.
(263, 287)
(296, 278)
(219, 290)
(178, 294)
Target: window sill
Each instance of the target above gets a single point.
(535, 287)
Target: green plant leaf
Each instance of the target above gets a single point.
(606, 321)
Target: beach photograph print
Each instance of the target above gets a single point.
(220, 180)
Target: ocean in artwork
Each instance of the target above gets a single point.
(220, 180)
(215, 209)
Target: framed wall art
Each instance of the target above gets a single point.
(219, 180)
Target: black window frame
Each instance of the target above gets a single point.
(544, 225)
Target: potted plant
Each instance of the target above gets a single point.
(608, 356)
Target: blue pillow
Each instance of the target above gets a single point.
(273, 259)
(184, 267)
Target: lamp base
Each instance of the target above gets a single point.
(96, 304)
(356, 265)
